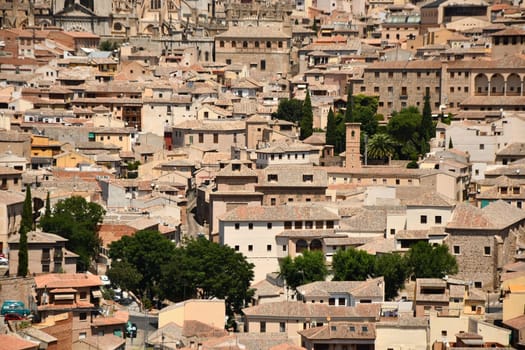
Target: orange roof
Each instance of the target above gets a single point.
(67, 280)
(13, 342)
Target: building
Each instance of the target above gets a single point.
(211, 312)
(46, 253)
(11, 206)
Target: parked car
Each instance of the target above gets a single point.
(105, 280)
(4, 261)
(14, 307)
(13, 317)
(131, 330)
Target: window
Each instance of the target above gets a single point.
(287, 225)
(272, 201)
(298, 225)
(268, 247)
(342, 301)
(308, 178)
(262, 326)
(256, 44)
(221, 43)
(272, 178)
(437, 219)
(269, 226)
(481, 146)
(244, 44)
(268, 44)
(392, 231)
(329, 224)
(237, 226)
(478, 284)
(250, 248)
(250, 226)
(376, 74)
(82, 316)
(45, 268)
(284, 247)
(486, 250)
(443, 333)
(282, 327)
(456, 250)
(423, 219)
(83, 295)
(263, 64)
(215, 138)
(201, 137)
(236, 248)
(364, 328)
(234, 44)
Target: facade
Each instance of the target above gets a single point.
(255, 231)
(220, 135)
(46, 253)
(210, 312)
(11, 206)
(262, 48)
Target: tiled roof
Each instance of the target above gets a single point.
(38, 237)
(199, 329)
(15, 342)
(265, 288)
(295, 310)
(292, 176)
(497, 215)
(211, 125)
(516, 322)
(279, 213)
(8, 197)
(313, 233)
(366, 220)
(253, 32)
(66, 280)
(368, 288)
(514, 149)
(340, 331)
(228, 171)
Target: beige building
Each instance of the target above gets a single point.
(46, 253)
(262, 48)
(402, 333)
(11, 205)
(219, 135)
(211, 312)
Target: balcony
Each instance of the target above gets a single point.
(403, 97)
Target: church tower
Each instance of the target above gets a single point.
(353, 143)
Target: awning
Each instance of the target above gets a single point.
(64, 296)
(96, 294)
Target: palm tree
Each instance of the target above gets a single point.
(381, 146)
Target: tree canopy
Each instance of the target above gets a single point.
(290, 110)
(152, 266)
(26, 225)
(404, 127)
(305, 268)
(77, 220)
(427, 261)
(381, 146)
(307, 118)
(331, 129)
(352, 265)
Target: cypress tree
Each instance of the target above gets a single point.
(47, 213)
(349, 113)
(427, 126)
(450, 145)
(26, 225)
(307, 120)
(331, 129)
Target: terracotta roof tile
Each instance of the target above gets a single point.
(65, 280)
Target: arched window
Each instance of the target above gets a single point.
(280, 44)
(234, 44)
(268, 44)
(256, 44)
(206, 56)
(301, 246)
(221, 43)
(244, 44)
(316, 245)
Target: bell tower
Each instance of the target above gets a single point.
(353, 143)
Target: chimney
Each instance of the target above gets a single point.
(353, 142)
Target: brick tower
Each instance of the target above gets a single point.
(353, 137)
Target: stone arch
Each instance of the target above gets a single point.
(316, 244)
(300, 246)
(150, 29)
(481, 84)
(497, 84)
(513, 84)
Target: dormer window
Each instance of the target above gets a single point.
(308, 178)
(236, 167)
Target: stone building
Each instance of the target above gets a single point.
(265, 49)
(484, 240)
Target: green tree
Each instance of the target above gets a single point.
(450, 144)
(306, 268)
(290, 110)
(47, 212)
(307, 119)
(381, 146)
(124, 275)
(427, 261)
(352, 265)
(77, 220)
(331, 129)
(427, 130)
(146, 252)
(26, 225)
(404, 128)
(210, 270)
(107, 45)
(365, 112)
(394, 269)
(349, 116)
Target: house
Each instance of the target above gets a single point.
(334, 335)
(11, 206)
(291, 317)
(15, 342)
(401, 332)
(343, 293)
(10, 179)
(210, 312)
(289, 152)
(257, 232)
(219, 135)
(46, 253)
(78, 294)
(483, 240)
